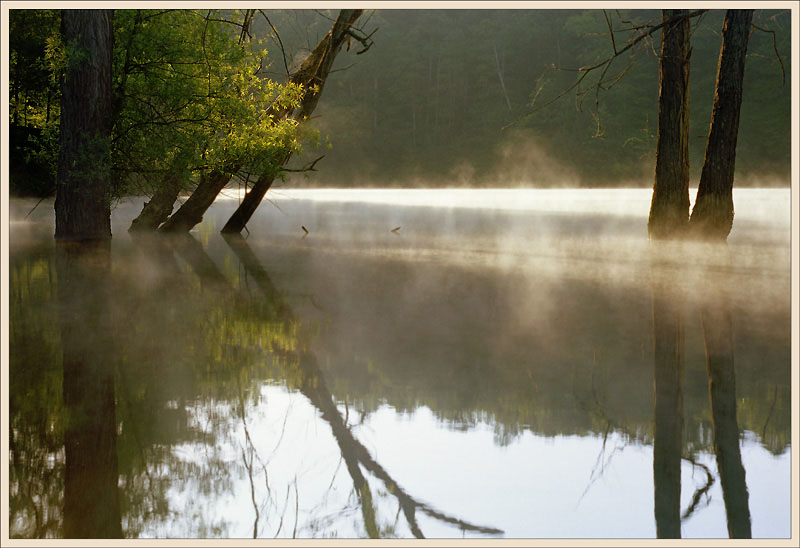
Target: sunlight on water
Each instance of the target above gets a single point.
(751, 203)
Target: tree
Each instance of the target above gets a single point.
(712, 216)
(669, 210)
(83, 201)
(311, 75)
(190, 116)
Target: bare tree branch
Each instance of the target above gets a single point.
(775, 48)
(587, 69)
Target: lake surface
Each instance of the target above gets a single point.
(437, 363)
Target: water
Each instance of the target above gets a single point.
(438, 363)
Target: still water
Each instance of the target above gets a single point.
(404, 363)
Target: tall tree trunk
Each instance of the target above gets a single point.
(669, 209)
(712, 216)
(91, 496)
(313, 71)
(83, 201)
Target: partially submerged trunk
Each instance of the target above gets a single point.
(313, 72)
(160, 206)
(712, 216)
(669, 209)
(192, 211)
(251, 201)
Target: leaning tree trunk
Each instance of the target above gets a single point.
(669, 209)
(712, 216)
(193, 209)
(251, 201)
(313, 71)
(83, 205)
(161, 204)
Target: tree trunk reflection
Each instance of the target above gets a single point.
(313, 386)
(718, 334)
(668, 381)
(91, 498)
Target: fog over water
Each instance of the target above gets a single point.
(401, 363)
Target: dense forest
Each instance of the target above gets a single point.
(443, 97)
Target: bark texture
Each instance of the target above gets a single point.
(83, 204)
(313, 72)
(712, 216)
(160, 206)
(192, 211)
(669, 209)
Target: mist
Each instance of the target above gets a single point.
(492, 318)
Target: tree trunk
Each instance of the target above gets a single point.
(192, 211)
(160, 206)
(83, 201)
(669, 209)
(712, 216)
(250, 203)
(313, 72)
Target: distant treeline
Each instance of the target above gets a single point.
(427, 105)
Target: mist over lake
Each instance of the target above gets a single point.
(399, 363)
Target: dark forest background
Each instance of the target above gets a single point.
(427, 104)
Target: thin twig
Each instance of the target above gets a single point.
(775, 47)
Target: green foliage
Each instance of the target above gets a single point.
(190, 94)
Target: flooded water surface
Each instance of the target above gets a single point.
(404, 363)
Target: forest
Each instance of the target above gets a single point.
(451, 97)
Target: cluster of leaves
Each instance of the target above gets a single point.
(191, 95)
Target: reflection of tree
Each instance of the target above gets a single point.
(668, 331)
(91, 498)
(312, 385)
(668, 380)
(718, 334)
